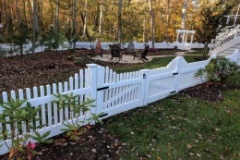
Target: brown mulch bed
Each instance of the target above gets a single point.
(96, 144)
(49, 67)
(208, 91)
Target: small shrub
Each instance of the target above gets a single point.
(75, 129)
(19, 115)
(219, 69)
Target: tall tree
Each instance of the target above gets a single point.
(35, 25)
(56, 24)
(119, 23)
(183, 18)
(151, 10)
(74, 34)
(100, 29)
(210, 17)
(85, 19)
(168, 11)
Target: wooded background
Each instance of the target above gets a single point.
(109, 20)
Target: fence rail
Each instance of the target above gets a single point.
(113, 93)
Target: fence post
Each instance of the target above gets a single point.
(96, 83)
(93, 85)
(177, 73)
(100, 82)
(145, 73)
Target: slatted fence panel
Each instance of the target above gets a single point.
(50, 116)
(187, 74)
(119, 92)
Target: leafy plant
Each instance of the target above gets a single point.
(219, 69)
(53, 39)
(20, 118)
(21, 35)
(75, 128)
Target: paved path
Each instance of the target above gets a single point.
(129, 58)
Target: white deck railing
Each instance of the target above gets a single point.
(225, 40)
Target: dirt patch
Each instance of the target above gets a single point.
(97, 144)
(211, 92)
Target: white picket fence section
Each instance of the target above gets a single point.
(113, 93)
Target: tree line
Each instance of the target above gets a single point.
(53, 21)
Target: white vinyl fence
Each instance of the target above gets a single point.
(27, 48)
(113, 93)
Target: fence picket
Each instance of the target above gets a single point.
(30, 124)
(76, 82)
(14, 127)
(23, 124)
(5, 99)
(43, 110)
(60, 91)
(55, 109)
(49, 108)
(81, 81)
(66, 108)
(71, 84)
(35, 96)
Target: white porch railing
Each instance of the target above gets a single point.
(114, 93)
(225, 40)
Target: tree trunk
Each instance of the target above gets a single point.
(168, 20)
(144, 28)
(24, 12)
(184, 8)
(87, 32)
(100, 19)
(34, 24)
(74, 34)
(18, 14)
(120, 23)
(56, 26)
(152, 23)
(205, 50)
(85, 20)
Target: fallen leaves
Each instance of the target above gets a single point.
(60, 142)
(189, 146)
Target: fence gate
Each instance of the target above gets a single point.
(117, 93)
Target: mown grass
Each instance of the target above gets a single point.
(155, 63)
(196, 52)
(234, 79)
(181, 127)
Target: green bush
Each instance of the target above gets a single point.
(18, 119)
(219, 69)
(75, 129)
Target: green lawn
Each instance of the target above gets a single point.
(181, 128)
(155, 63)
